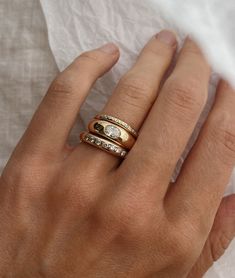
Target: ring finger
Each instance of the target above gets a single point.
(137, 90)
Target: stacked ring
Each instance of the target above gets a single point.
(103, 144)
(110, 134)
(118, 122)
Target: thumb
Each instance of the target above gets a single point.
(221, 235)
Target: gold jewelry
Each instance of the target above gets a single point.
(112, 132)
(118, 122)
(103, 144)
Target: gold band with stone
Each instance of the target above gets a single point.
(112, 132)
(103, 144)
(118, 122)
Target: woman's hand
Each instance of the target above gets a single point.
(81, 212)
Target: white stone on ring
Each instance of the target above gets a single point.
(112, 131)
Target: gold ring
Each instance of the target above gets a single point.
(118, 122)
(112, 132)
(103, 144)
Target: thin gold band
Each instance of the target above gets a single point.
(112, 132)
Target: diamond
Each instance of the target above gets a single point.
(119, 150)
(112, 131)
(116, 150)
(92, 139)
(123, 153)
(104, 145)
(111, 147)
(97, 142)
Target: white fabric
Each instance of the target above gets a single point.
(26, 68)
(78, 25)
(211, 22)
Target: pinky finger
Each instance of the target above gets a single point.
(221, 235)
(201, 184)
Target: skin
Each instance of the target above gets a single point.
(80, 212)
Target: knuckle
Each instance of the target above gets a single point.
(182, 233)
(135, 91)
(23, 173)
(81, 195)
(24, 184)
(183, 245)
(228, 141)
(80, 200)
(92, 57)
(126, 221)
(219, 246)
(60, 88)
(222, 133)
(185, 96)
(135, 226)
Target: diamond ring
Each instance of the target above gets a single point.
(112, 132)
(118, 122)
(103, 144)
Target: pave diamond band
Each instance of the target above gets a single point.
(118, 122)
(103, 144)
(113, 132)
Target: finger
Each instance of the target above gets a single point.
(220, 237)
(171, 120)
(48, 131)
(137, 90)
(206, 172)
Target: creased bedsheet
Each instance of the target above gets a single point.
(26, 68)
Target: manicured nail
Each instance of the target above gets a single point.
(167, 37)
(109, 48)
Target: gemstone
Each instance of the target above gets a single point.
(98, 142)
(104, 145)
(111, 147)
(98, 127)
(116, 150)
(112, 131)
(123, 153)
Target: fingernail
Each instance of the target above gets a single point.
(109, 48)
(167, 37)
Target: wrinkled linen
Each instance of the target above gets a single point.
(78, 25)
(27, 67)
(211, 23)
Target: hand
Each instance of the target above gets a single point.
(81, 212)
